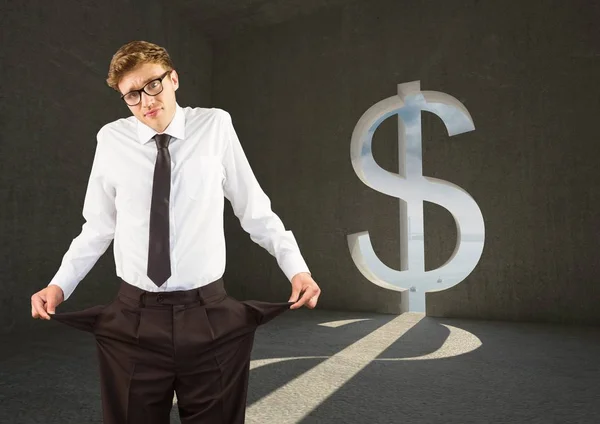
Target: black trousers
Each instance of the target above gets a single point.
(194, 343)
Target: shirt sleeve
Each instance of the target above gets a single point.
(253, 208)
(97, 232)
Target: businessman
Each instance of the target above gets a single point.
(156, 190)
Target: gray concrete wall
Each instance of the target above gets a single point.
(296, 90)
(54, 99)
(525, 71)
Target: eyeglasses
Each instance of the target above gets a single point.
(153, 88)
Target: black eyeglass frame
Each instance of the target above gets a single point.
(143, 89)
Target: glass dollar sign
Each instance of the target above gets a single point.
(412, 188)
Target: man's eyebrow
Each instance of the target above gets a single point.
(143, 84)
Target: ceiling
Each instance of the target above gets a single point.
(224, 18)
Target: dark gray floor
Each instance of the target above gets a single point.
(510, 373)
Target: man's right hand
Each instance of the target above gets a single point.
(45, 301)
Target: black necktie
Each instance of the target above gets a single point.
(159, 261)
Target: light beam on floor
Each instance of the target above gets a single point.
(295, 400)
(299, 397)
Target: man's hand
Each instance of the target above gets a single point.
(303, 284)
(45, 301)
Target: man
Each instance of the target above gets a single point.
(157, 188)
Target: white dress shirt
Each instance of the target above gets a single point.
(207, 165)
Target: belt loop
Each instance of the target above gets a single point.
(142, 298)
(199, 295)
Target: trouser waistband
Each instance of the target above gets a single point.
(202, 294)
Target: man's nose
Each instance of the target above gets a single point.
(147, 100)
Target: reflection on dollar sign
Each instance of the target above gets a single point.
(412, 188)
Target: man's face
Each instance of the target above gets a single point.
(155, 111)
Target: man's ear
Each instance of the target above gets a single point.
(175, 79)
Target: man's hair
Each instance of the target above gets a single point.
(133, 54)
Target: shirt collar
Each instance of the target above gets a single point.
(175, 129)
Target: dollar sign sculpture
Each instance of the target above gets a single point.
(412, 188)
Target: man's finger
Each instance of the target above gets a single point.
(300, 301)
(295, 294)
(305, 298)
(34, 308)
(312, 303)
(50, 306)
(38, 304)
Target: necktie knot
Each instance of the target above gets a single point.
(162, 141)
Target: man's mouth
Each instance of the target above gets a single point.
(152, 113)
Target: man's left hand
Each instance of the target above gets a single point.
(303, 285)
